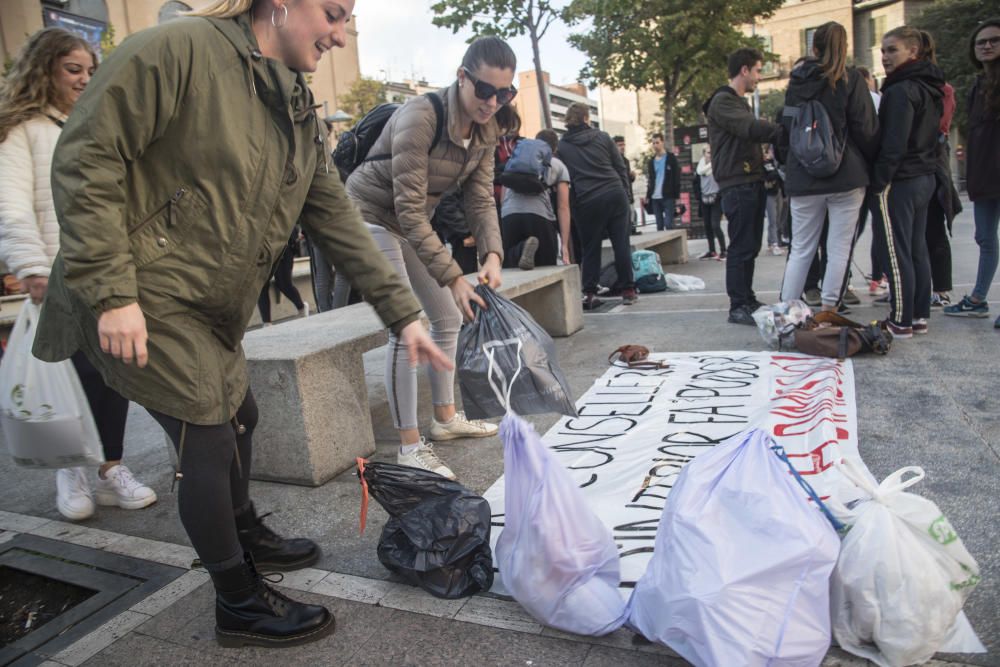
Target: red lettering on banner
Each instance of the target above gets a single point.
(806, 400)
(817, 459)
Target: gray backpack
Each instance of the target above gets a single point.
(813, 140)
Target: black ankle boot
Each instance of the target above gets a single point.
(249, 612)
(270, 550)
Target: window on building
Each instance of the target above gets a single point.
(171, 10)
(770, 69)
(877, 26)
(806, 41)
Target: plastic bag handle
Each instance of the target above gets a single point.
(890, 485)
(779, 451)
(364, 493)
(502, 396)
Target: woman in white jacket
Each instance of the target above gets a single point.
(711, 207)
(44, 83)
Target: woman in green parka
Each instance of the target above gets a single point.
(177, 180)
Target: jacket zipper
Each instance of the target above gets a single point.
(177, 196)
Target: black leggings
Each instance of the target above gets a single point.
(110, 409)
(518, 228)
(283, 280)
(214, 482)
(938, 246)
(712, 214)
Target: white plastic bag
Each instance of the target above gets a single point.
(43, 411)
(777, 322)
(740, 571)
(679, 282)
(556, 557)
(902, 576)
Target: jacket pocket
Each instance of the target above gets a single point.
(164, 230)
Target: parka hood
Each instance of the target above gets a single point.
(721, 90)
(579, 135)
(928, 75)
(808, 78)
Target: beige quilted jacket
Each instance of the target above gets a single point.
(400, 194)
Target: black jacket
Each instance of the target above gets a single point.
(595, 164)
(909, 116)
(671, 178)
(735, 137)
(983, 153)
(449, 218)
(854, 118)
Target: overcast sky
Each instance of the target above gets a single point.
(398, 37)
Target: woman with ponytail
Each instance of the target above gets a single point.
(178, 178)
(983, 164)
(843, 92)
(903, 180)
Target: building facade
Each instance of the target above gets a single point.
(21, 18)
(529, 106)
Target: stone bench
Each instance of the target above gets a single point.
(670, 245)
(308, 377)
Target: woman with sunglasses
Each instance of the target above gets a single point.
(983, 162)
(397, 196)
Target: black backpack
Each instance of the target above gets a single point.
(354, 144)
(813, 139)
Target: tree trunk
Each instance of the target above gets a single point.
(543, 92)
(668, 119)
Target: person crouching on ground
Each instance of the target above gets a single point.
(530, 233)
(600, 202)
(43, 85)
(177, 180)
(397, 197)
(839, 197)
(735, 137)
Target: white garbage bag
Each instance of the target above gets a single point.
(678, 282)
(902, 576)
(555, 555)
(44, 413)
(740, 573)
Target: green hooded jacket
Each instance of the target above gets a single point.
(177, 180)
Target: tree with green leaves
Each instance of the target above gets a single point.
(364, 95)
(951, 22)
(676, 47)
(506, 19)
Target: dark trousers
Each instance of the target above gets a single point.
(902, 213)
(214, 484)
(712, 214)
(938, 247)
(744, 208)
(283, 281)
(518, 228)
(879, 252)
(110, 409)
(604, 214)
(663, 213)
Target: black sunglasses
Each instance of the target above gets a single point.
(485, 91)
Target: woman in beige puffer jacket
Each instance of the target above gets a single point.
(397, 195)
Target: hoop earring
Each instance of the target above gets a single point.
(284, 18)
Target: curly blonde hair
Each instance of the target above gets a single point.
(224, 9)
(30, 85)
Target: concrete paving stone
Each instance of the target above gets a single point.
(603, 656)
(418, 641)
(416, 600)
(138, 649)
(7, 535)
(622, 638)
(496, 613)
(87, 647)
(302, 580)
(172, 592)
(357, 589)
(191, 623)
(21, 523)
(83, 536)
(154, 550)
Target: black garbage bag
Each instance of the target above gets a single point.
(522, 353)
(438, 533)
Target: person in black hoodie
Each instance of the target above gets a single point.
(600, 201)
(903, 175)
(663, 183)
(735, 136)
(843, 93)
(983, 164)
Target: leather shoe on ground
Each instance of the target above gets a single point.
(270, 550)
(741, 315)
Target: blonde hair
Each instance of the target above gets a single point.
(224, 9)
(30, 85)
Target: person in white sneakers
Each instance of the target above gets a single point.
(40, 90)
(431, 143)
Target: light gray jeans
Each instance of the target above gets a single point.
(808, 213)
(445, 319)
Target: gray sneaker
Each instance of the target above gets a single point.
(527, 262)
(813, 298)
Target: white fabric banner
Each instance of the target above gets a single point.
(638, 428)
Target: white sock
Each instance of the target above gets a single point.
(409, 449)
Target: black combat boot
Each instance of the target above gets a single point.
(270, 550)
(248, 612)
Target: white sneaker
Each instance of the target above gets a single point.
(461, 427)
(423, 457)
(73, 497)
(120, 488)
